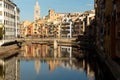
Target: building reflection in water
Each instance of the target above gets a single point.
(45, 59)
(10, 69)
(43, 51)
(37, 66)
(61, 57)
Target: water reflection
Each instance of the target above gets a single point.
(43, 62)
(10, 69)
(59, 63)
(37, 66)
(45, 51)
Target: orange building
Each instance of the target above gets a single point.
(30, 30)
(28, 51)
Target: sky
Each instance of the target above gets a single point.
(60, 6)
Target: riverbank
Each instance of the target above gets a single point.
(9, 48)
(8, 51)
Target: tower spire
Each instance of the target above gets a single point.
(36, 11)
(37, 2)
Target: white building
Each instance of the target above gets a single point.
(85, 20)
(10, 19)
(66, 31)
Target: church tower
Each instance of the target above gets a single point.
(36, 11)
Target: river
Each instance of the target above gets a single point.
(44, 62)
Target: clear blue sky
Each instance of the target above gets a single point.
(60, 6)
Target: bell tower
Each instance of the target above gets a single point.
(36, 11)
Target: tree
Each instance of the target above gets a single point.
(1, 34)
(2, 31)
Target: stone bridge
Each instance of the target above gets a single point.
(49, 39)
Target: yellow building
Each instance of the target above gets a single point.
(53, 16)
(40, 29)
(24, 28)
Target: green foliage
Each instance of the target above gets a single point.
(1, 33)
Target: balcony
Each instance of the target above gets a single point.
(65, 23)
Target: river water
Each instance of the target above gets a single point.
(44, 62)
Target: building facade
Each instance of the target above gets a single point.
(107, 21)
(63, 25)
(10, 19)
(85, 21)
(66, 27)
(24, 28)
(58, 25)
(117, 27)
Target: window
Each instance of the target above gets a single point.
(0, 13)
(119, 34)
(37, 11)
(0, 21)
(0, 4)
